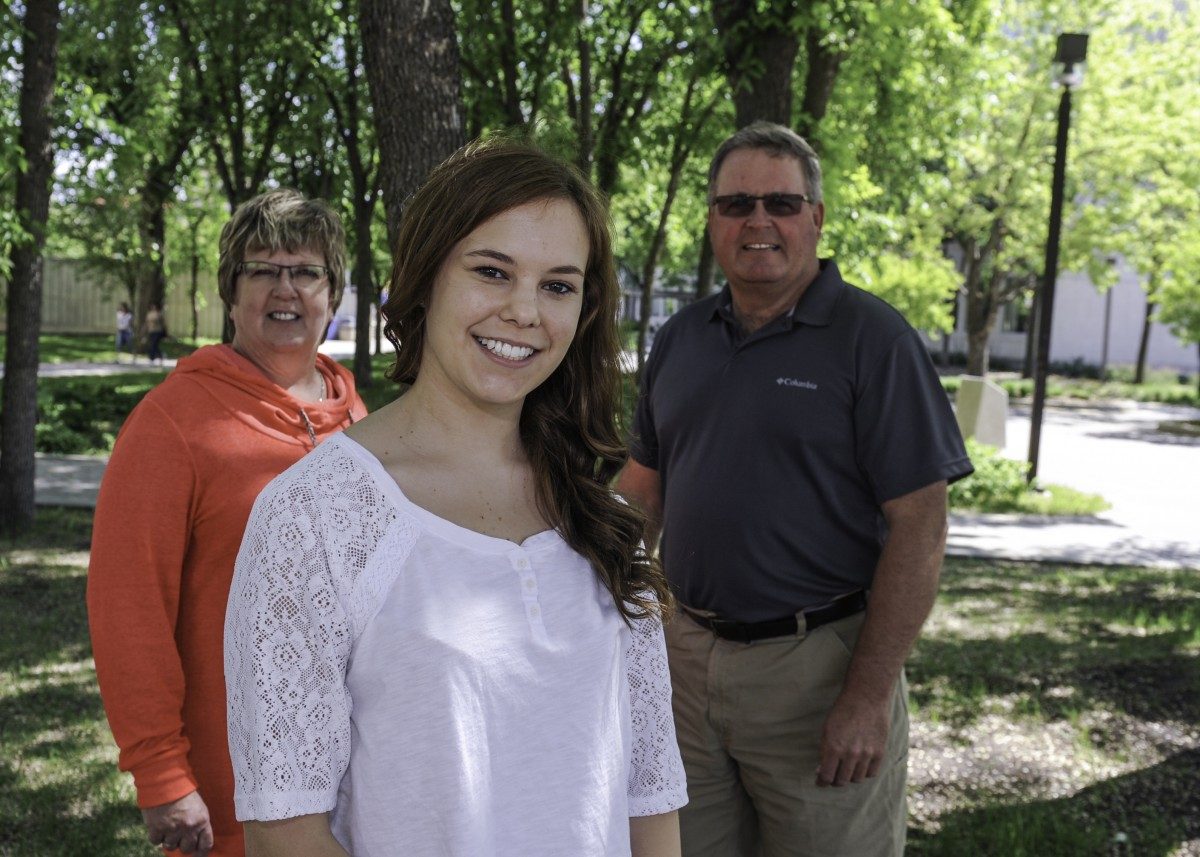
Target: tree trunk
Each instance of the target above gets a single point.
(760, 53)
(1139, 373)
(583, 109)
(1031, 335)
(656, 245)
(152, 232)
(364, 280)
(378, 306)
(193, 296)
(977, 352)
(982, 311)
(194, 283)
(24, 307)
(411, 58)
(706, 270)
(819, 78)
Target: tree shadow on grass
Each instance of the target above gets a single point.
(1147, 813)
(87, 814)
(1150, 680)
(43, 617)
(1122, 639)
(52, 720)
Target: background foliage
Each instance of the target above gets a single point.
(936, 130)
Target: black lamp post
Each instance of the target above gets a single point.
(1072, 49)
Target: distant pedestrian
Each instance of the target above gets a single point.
(155, 327)
(124, 331)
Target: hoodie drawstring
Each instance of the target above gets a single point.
(312, 434)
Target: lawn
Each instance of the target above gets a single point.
(1159, 386)
(96, 348)
(1055, 711)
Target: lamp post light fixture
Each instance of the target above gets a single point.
(1072, 51)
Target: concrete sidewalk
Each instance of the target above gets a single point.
(1118, 450)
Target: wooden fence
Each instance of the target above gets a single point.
(75, 300)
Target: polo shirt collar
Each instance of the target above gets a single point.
(815, 307)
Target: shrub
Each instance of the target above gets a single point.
(82, 415)
(997, 485)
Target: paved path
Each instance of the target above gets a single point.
(68, 480)
(1151, 478)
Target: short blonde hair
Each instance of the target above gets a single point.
(282, 219)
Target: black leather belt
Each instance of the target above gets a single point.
(746, 632)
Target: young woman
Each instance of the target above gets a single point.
(442, 636)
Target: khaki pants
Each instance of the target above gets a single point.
(748, 717)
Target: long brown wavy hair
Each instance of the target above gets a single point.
(568, 424)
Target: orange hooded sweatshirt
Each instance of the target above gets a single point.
(176, 495)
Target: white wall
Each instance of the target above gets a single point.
(1078, 332)
(1079, 325)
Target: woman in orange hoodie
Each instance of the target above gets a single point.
(175, 499)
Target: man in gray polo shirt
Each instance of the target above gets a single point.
(793, 442)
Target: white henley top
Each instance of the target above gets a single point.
(441, 691)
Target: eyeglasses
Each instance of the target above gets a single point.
(301, 276)
(776, 204)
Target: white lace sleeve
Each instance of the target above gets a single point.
(287, 642)
(656, 781)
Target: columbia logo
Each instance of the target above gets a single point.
(795, 382)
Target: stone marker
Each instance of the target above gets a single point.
(982, 410)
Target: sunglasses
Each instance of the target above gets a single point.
(776, 204)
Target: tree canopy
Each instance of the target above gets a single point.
(934, 122)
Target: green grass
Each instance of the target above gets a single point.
(1093, 673)
(81, 415)
(1160, 387)
(60, 791)
(1061, 500)
(999, 485)
(96, 347)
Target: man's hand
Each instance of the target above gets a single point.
(855, 735)
(853, 740)
(181, 825)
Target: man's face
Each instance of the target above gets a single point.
(758, 250)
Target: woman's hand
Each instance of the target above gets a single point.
(655, 835)
(303, 836)
(182, 825)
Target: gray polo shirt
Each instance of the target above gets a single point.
(776, 450)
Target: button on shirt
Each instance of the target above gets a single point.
(441, 691)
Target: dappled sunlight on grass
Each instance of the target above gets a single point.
(1055, 711)
(1034, 689)
(60, 791)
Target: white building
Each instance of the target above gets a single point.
(1093, 328)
